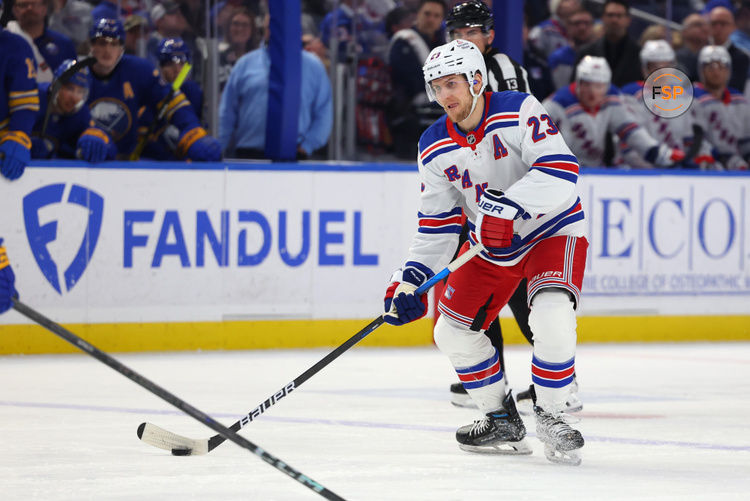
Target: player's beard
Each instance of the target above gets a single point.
(459, 113)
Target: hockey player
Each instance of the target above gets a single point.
(19, 104)
(500, 159)
(7, 281)
(70, 132)
(591, 109)
(723, 111)
(122, 84)
(172, 55)
(473, 21)
(676, 132)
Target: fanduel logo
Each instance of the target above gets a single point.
(41, 235)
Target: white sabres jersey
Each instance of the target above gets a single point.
(516, 148)
(586, 130)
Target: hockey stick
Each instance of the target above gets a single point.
(184, 446)
(64, 78)
(181, 76)
(160, 392)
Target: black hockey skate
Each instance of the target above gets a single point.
(460, 397)
(526, 404)
(562, 443)
(498, 432)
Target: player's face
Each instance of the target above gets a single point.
(474, 34)
(29, 11)
(452, 93)
(656, 65)
(107, 52)
(715, 74)
(170, 71)
(591, 94)
(429, 17)
(69, 96)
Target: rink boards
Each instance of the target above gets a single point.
(153, 256)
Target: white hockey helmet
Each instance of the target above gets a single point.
(458, 57)
(657, 51)
(593, 69)
(713, 54)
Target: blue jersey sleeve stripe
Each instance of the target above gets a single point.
(453, 212)
(568, 176)
(552, 158)
(447, 229)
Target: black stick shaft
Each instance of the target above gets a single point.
(157, 390)
(219, 439)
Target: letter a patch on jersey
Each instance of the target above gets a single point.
(127, 91)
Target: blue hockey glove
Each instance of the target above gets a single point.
(7, 281)
(402, 304)
(15, 153)
(197, 145)
(41, 148)
(93, 145)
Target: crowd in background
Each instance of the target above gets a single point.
(385, 40)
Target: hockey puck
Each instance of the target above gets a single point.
(181, 452)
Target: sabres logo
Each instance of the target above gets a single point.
(113, 116)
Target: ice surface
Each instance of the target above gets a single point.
(660, 422)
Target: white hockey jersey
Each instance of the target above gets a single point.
(516, 148)
(586, 130)
(674, 132)
(726, 123)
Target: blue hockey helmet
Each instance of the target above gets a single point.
(79, 78)
(173, 50)
(107, 28)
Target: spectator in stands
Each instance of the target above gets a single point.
(590, 111)
(695, 33)
(660, 32)
(162, 143)
(136, 34)
(741, 36)
(344, 17)
(240, 40)
(580, 29)
(550, 35)
(722, 110)
(313, 44)
(73, 19)
(616, 46)
(398, 19)
(50, 47)
(244, 105)
(63, 128)
(722, 25)
(168, 23)
(408, 51)
(676, 132)
(539, 75)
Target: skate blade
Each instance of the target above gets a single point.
(570, 458)
(463, 401)
(504, 448)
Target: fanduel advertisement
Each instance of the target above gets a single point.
(153, 245)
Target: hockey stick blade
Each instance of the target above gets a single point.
(184, 446)
(172, 442)
(171, 398)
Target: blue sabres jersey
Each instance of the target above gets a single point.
(55, 48)
(114, 101)
(19, 98)
(166, 136)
